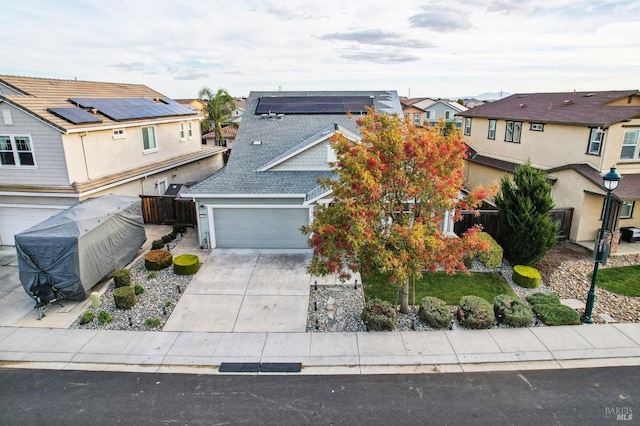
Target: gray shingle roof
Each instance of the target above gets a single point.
(575, 108)
(279, 136)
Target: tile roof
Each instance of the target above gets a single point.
(39, 94)
(228, 132)
(280, 135)
(574, 108)
(628, 189)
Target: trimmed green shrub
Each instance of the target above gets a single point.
(158, 259)
(512, 311)
(186, 264)
(543, 299)
(124, 297)
(87, 317)
(104, 317)
(434, 312)
(379, 315)
(152, 274)
(152, 322)
(121, 278)
(166, 239)
(526, 276)
(493, 257)
(157, 245)
(475, 312)
(552, 314)
(179, 228)
(138, 289)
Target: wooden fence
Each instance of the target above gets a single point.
(489, 221)
(168, 210)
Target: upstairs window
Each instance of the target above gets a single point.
(119, 134)
(427, 115)
(181, 131)
(595, 141)
(416, 118)
(630, 145)
(16, 151)
(448, 115)
(190, 130)
(492, 129)
(467, 126)
(149, 139)
(513, 131)
(406, 115)
(537, 127)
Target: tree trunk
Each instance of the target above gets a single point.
(404, 302)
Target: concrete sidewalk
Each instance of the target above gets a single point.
(324, 353)
(28, 343)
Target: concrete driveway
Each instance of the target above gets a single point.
(246, 290)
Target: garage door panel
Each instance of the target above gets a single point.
(14, 220)
(260, 228)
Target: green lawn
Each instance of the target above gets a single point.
(624, 280)
(449, 288)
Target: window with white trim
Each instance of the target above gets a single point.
(119, 134)
(331, 155)
(406, 115)
(630, 145)
(181, 131)
(537, 127)
(149, 138)
(448, 115)
(427, 115)
(467, 126)
(16, 151)
(416, 118)
(596, 138)
(513, 131)
(492, 129)
(190, 130)
(626, 209)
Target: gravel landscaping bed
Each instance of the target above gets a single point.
(161, 294)
(564, 272)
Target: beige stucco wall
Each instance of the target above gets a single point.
(476, 174)
(613, 147)
(555, 146)
(96, 153)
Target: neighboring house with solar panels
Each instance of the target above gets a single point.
(575, 137)
(269, 187)
(63, 141)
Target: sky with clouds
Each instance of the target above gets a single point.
(419, 48)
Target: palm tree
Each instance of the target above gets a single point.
(218, 109)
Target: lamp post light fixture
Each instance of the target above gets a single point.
(610, 182)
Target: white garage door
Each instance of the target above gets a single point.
(260, 227)
(14, 220)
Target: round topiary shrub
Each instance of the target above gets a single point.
(121, 278)
(157, 245)
(158, 259)
(434, 312)
(526, 276)
(87, 317)
(186, 264)
(475, 312)
(124, 297)
(379, 315)
(138, 289)
(512, 311)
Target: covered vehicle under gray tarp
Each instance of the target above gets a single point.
(72, 251)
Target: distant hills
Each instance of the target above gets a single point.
(489, 96)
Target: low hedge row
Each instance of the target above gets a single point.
(476, 313)
(434, 312)
(512, 312)
(550, 311)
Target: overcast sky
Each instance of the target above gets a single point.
(419, 48)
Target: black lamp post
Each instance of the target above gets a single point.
(610, 182)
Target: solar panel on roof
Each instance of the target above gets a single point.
(313, 104)
(75, 115)
(133, 108)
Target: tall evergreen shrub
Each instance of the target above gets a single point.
(525, 229)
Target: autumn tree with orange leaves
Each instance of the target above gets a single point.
(389, 200)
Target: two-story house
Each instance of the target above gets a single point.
(63, 141)
(574, 137)
(269, 188)
(427, 112)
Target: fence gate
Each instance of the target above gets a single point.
(168, 210)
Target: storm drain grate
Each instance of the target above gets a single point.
(257, 367)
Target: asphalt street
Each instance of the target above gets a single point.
(560, 397)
